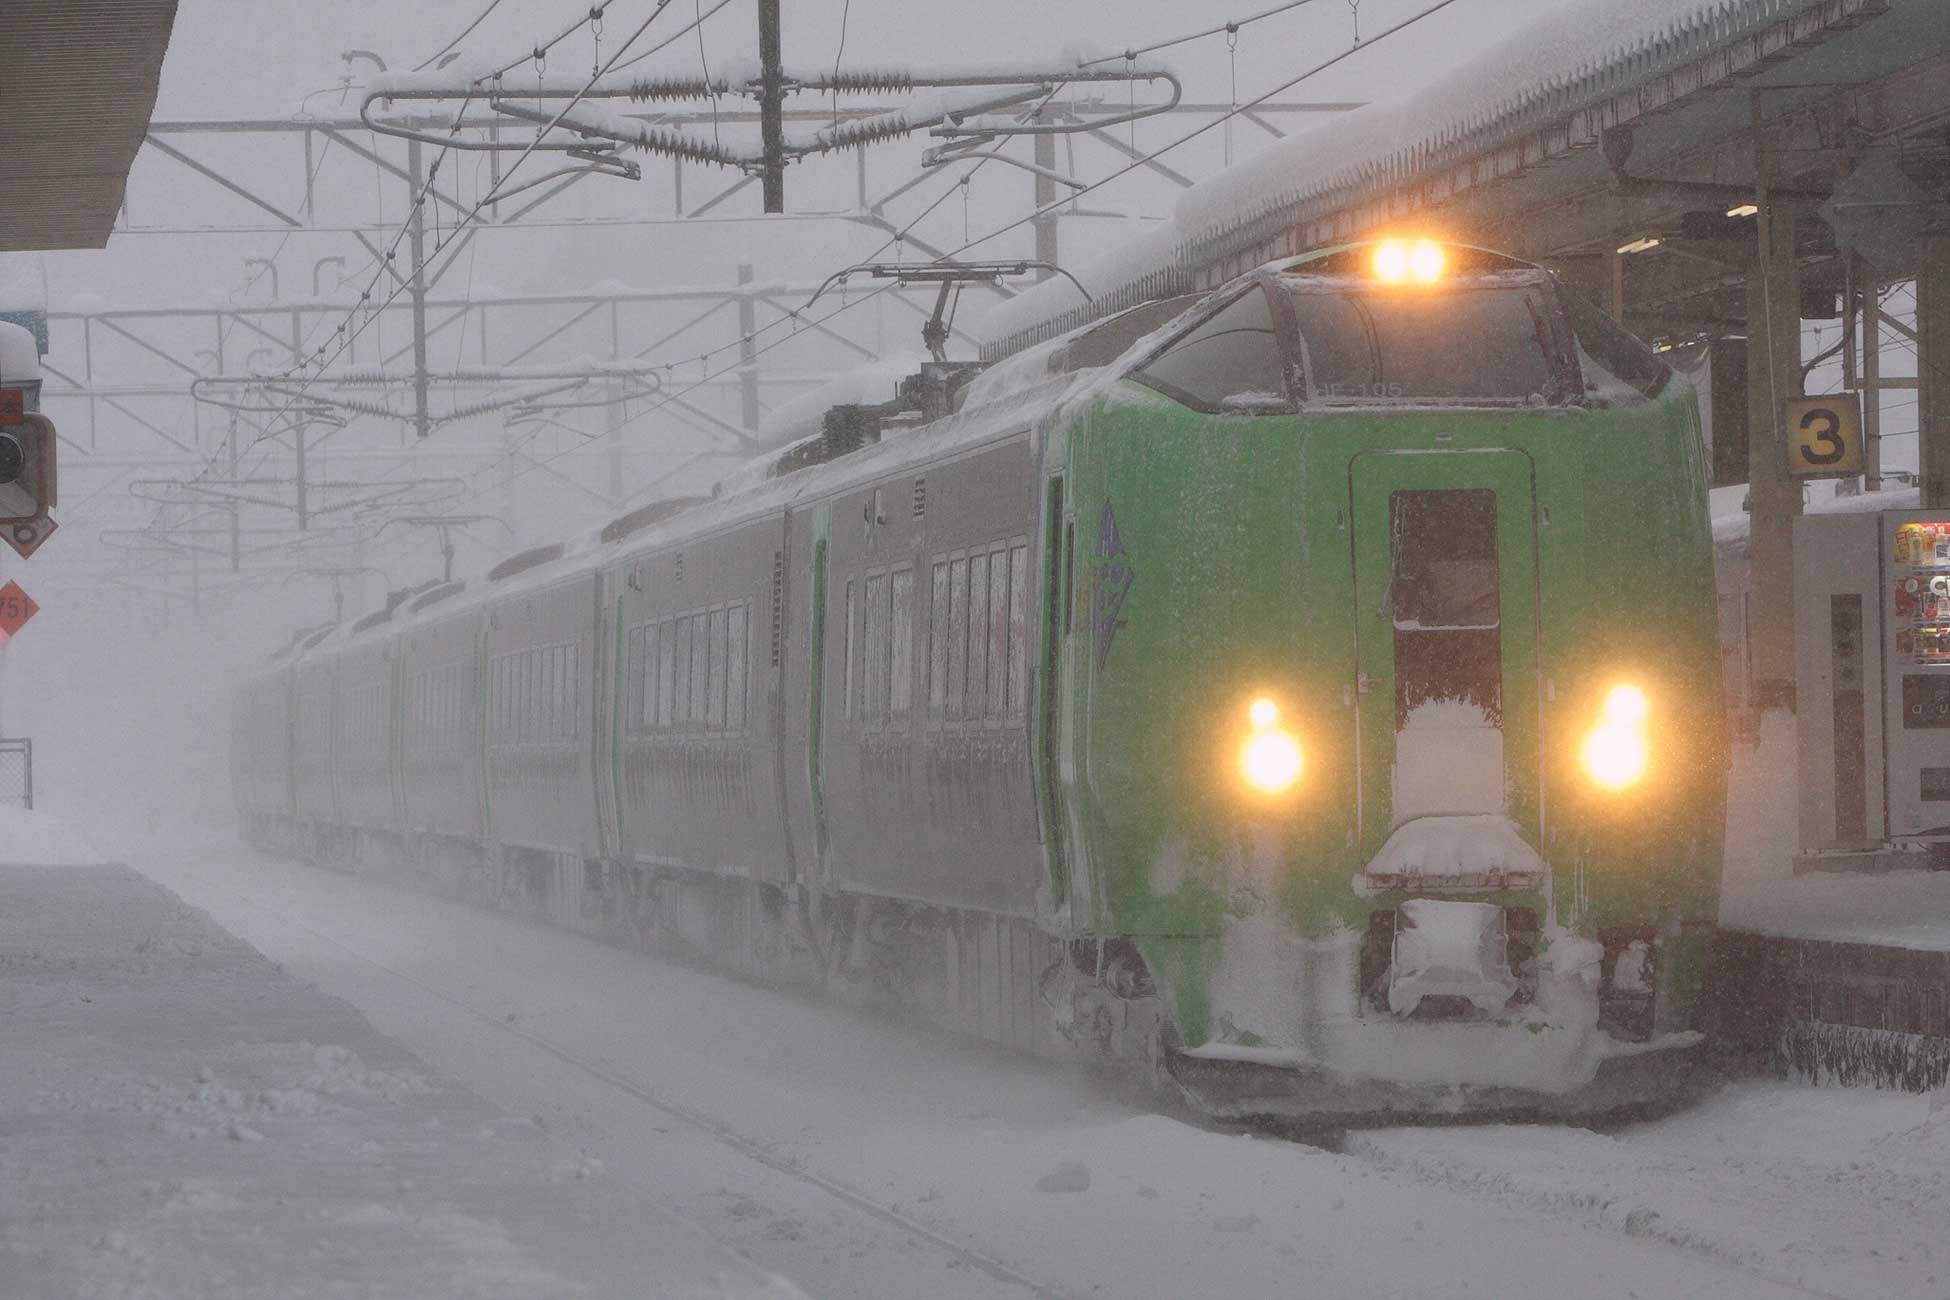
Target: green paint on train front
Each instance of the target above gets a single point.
(1221, 558)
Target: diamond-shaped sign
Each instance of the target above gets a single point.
(16, 607)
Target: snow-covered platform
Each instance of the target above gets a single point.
(179, 1117)
(1841, 976)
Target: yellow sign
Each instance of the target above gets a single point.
(1824, 435)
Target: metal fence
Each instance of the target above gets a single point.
(17, 771)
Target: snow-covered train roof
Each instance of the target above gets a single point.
(1570, 58)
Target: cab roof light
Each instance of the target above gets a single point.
(1421, 261)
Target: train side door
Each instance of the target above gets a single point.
(1447, 668)
(1046, 709)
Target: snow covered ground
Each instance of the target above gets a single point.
(179, 1118)
(862, 1160)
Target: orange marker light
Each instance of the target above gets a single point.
(1425, 261)
(1391, 263)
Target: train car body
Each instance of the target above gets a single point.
(1314, 700)
(441, 707)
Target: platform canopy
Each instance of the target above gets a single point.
(77, 86)
(1598, 125)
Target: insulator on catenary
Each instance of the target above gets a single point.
(677, 88)
(657, 140)
(876, 81)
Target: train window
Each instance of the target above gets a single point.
(938, 642)
(1619, 369)
(1445, 598)
(734, 670)
(1018, 630)
(997, 630)
(1233, 362)
(1367, 345)
(978, 639)
(642, 708)
(680, 713)
(667, 675)
(873, 638)
(978, 626)
(700, 671)
(515, 698)
(720, 648)
(848, 671)
(900, 659)
(957, 636)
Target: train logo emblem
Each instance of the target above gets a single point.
(1111, 576)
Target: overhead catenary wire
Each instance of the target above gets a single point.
(465, 32)
(275, 425)
(794, 319)
(1228, 27)
(322, 360)
(1134, 164)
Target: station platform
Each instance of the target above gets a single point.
(179, 1117)
(1842, 977)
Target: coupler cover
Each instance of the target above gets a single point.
(1450, 949)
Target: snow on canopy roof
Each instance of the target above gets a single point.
(1577, 54)
(1567, 59)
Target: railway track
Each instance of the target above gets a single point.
(783, 1182)
(1007, 1280)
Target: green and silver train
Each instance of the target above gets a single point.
(1307, 693)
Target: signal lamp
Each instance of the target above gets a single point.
(1617, 750)
(1391, 263)
(1271, 759)
(1396, 262)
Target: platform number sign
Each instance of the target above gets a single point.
(16, 607)
(1824, 435)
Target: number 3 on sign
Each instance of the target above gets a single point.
(1824, 435)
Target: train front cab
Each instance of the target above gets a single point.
(1389, 727)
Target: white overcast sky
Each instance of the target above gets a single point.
(278, 58)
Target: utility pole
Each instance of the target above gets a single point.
(417, 224)
(771, 105)
(298, 436)
(236, 507)
(613, 413)
(1045, 222)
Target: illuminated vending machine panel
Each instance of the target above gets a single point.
(1916, 616)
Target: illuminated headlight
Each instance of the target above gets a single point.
(1617, 751)
(1396, 262)
(1270, 760)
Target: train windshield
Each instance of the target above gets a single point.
(1485, 341)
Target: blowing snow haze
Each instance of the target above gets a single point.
(736, 651)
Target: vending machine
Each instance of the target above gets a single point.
(1872, 637)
